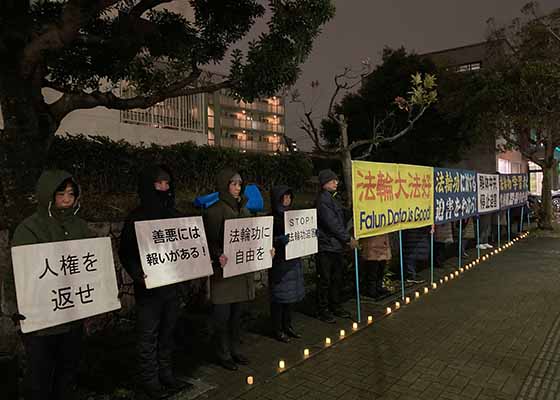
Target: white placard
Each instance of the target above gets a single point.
(488, 191)
(64, 281)
(173, 250)
(301, 227)
(247, 245)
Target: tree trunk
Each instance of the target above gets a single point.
(346, 160)
(24, 143)
(546, 214)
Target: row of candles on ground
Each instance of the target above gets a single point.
(389, 310)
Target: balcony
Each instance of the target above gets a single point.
(250, 145)
(256, 106)
(249, 124)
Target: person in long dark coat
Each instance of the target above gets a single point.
(286, 276)
(157, 309)
(53, 354)
(228, 295)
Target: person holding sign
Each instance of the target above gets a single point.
(53, 354)
(333, 241)
(286, 276)
(157, 309)
(227, 294)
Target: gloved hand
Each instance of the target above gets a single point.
(284, 239)
(16, 317)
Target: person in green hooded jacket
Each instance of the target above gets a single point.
(53, 354)
(227, 294)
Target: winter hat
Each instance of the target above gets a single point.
(326, 175)
(236, 178)
(161, 175)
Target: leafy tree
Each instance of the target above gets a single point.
(84, 49)
(521, 93)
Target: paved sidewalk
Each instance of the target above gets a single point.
(492, 333)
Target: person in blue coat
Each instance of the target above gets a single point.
(285, 276)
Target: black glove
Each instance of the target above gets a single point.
(284, 239)
(16, 317)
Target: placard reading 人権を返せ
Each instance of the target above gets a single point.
(64, 281)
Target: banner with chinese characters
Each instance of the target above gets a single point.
(173, 250)
(247, 245)
(301, 227)
(488, 193)
(514, 190)
(454, 194)
(391, 197)
(64, 281)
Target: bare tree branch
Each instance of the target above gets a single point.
(145, 5)
(73, 101)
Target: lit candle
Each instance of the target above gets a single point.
(389, 310)
(281, 364)
(446, 278)
(397, 305)
(434, 285)
(342, 333)
(456, 273)
(369, 319)
(451, 276)
(407, 300)
(249, 380)
(425, 290)
(327, 341)
(440, 281)
(461, 270)
(355, 325)
(416, 294)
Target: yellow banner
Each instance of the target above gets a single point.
(391, 197)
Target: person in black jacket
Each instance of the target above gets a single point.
(157, 309)
(286, 276)
(333, 239)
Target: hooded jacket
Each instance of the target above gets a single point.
(286, 276)
(236, 288)
(49, 224)
(331, 223)
(153, 205)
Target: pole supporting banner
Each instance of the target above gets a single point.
(358, 302)
(432, 255)
(478, 236)
(402, 263)
(460, 242)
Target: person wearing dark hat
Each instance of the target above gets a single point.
(157, 309)
(333, 239)
(53, 354)
(228, 295)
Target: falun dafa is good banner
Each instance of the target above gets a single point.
(391, 197)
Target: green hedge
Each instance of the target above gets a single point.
(104, 165)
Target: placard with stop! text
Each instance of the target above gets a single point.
(301, 228)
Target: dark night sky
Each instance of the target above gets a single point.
(361, 28)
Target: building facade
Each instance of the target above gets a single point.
(484, 157)
(214, 119)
